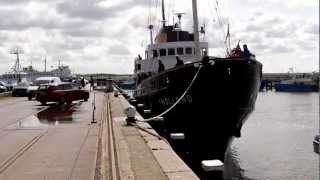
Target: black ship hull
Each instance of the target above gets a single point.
(215, 107)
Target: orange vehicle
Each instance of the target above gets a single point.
(62, 93)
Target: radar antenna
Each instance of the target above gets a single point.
(163, 14)
(150, 27)
(179, 15)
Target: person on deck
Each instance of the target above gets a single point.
(236, 52)
(205, 60)
(139, 57)
(161, 66)
(246, 52)
(179, 62)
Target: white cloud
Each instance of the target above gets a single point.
(118, 50)
(106, 35)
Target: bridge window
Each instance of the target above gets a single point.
(163, 52)
(188, 50)
(180, 51)
(155, 53)
(171, 51)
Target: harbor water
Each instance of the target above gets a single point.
(276, 142)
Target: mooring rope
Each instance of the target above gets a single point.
(181, 97)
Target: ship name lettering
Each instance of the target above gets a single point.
(168, 101)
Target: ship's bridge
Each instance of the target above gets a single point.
(170, 42)
(167, 53)
(180, 48)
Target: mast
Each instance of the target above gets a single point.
(151, 35)
(45, 64)
(163, 15)
(196, 28)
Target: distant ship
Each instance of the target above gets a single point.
(30, 74)
(297, 85)
(18, 74)
(208, 99)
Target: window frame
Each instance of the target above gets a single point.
(171, 50)
(189, 50)
(155, 53)
(182, 52)
(161, 54)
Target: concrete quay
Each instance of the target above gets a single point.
(143, 155)
(60, 142)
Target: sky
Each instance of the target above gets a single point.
(104, 36)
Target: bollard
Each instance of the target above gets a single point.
(131, 113)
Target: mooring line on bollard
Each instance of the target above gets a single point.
(181, 97)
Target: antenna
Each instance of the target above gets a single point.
(173, 17)
(203, 29)
(150, 27)
(163, 15)
(16, 50)
(196, 28)
(45, 64)
(179, 15)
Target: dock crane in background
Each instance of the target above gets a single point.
(17, 67)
